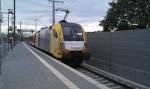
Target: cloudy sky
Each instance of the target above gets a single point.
(88, 13)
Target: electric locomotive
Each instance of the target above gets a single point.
(65, 41)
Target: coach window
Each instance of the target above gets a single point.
(55, 34)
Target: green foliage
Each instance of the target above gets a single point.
(127, 15)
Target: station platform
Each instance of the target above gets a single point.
(27, 68)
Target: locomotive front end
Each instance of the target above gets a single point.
(74, 43)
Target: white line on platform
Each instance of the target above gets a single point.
(92, 81)
(65, 80)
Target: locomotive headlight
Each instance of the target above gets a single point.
(85, 45)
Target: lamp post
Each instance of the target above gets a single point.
(10, 11)
(14, 38)
(0, 39)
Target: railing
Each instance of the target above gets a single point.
(5, 47)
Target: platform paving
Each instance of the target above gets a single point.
(22, 70)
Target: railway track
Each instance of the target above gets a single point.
(107, 79)
(101, 79)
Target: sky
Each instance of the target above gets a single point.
(88, 13)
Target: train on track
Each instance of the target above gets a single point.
(65, 41)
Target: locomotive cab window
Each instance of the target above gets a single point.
(72, 33)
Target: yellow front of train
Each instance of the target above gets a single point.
(71, 44)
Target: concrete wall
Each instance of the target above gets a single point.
(125, 53)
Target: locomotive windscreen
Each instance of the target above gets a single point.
(72, 32)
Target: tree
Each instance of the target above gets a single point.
(127, 15)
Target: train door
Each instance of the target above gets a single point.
(50, 45)
(47, 40)
(36, 44)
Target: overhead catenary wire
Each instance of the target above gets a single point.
(34, 11)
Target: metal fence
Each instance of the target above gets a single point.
(125, 53)
(5, 47)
